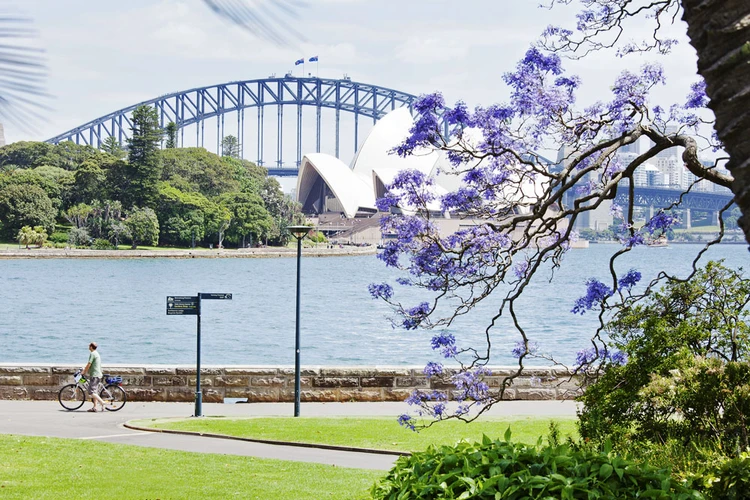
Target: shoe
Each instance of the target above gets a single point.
(91, 410)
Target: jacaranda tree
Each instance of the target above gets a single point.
(521, 211)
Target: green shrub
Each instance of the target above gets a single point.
(687, 375)
(102, 244)
(58, 237)
(79, 237)
(502, 469)
(733, 479)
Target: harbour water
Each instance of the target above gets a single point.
(50, 309)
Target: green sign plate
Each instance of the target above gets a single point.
(181, 305)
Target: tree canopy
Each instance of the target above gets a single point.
(196, 196)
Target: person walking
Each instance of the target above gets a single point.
(94, 367)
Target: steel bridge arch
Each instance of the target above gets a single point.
(194, 106)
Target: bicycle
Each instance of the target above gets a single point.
(72, 396)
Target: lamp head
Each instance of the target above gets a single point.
(299, 232)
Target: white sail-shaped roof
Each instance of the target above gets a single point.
(326, 184)
(340, 189)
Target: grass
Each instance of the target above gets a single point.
(378, 433)
(50, 468)
(47, 468)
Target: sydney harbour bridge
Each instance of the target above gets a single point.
(327, 115)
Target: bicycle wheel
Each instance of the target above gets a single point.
(114, 397)
(71, 397)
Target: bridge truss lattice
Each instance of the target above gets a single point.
(227, 103)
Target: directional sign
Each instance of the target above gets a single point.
(182, 305)
(222, 296)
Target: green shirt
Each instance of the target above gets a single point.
(95, 365)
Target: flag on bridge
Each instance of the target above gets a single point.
(299, 61)
(313, 59)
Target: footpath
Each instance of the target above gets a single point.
(49, 419)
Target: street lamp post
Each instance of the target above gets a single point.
(299, 232)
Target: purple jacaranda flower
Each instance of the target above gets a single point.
(388, 201)
(596, 292)
(407, 421)
(446, 343)
(618, 358)
(414, 316)
(697, 97)
(632, 240)
(470, 384)
(433, 369)
(660, 222)
(380, 290)
(439, 409)
(615, 211)
(520, 349)
(585, 357)
(416, 397)
(630, 279)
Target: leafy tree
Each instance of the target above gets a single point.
(143, 226)
(56, 186)
(251, 177)
(195, 169)
(171, 132)
(39, 236)
(69, 155)
(686, 373)
(25, 154)
(32, 236)
(144, 163)
(731, 220)
(112, 147)
(78, 215)
(25, 236)
(117, 181)
(25, 206)
(218, 220)
(90, 182)
(230, 146)
(103, 215)
(117, 231)
(249, 217)
(182, 215)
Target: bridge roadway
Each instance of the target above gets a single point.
(48, 418)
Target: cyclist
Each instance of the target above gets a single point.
(95, 367)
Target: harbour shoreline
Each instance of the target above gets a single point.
(224, 253)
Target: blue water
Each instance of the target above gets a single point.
(51, 309)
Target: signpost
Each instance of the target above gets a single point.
(187, 305)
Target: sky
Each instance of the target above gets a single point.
(105, 55)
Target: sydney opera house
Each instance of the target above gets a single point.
(342, 197)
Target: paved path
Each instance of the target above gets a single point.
(47, 418)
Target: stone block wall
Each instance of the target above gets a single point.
(274, 384)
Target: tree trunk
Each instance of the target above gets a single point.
(720, 32)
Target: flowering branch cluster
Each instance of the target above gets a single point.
(518, 210)
(601, 24)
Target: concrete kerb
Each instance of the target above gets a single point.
(318, 446)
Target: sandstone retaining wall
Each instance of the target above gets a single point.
(273, 384)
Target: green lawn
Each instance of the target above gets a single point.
(49, 468)
(46, 468)
(378, 433)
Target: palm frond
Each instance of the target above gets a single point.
(268, 19)
(23, 72)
